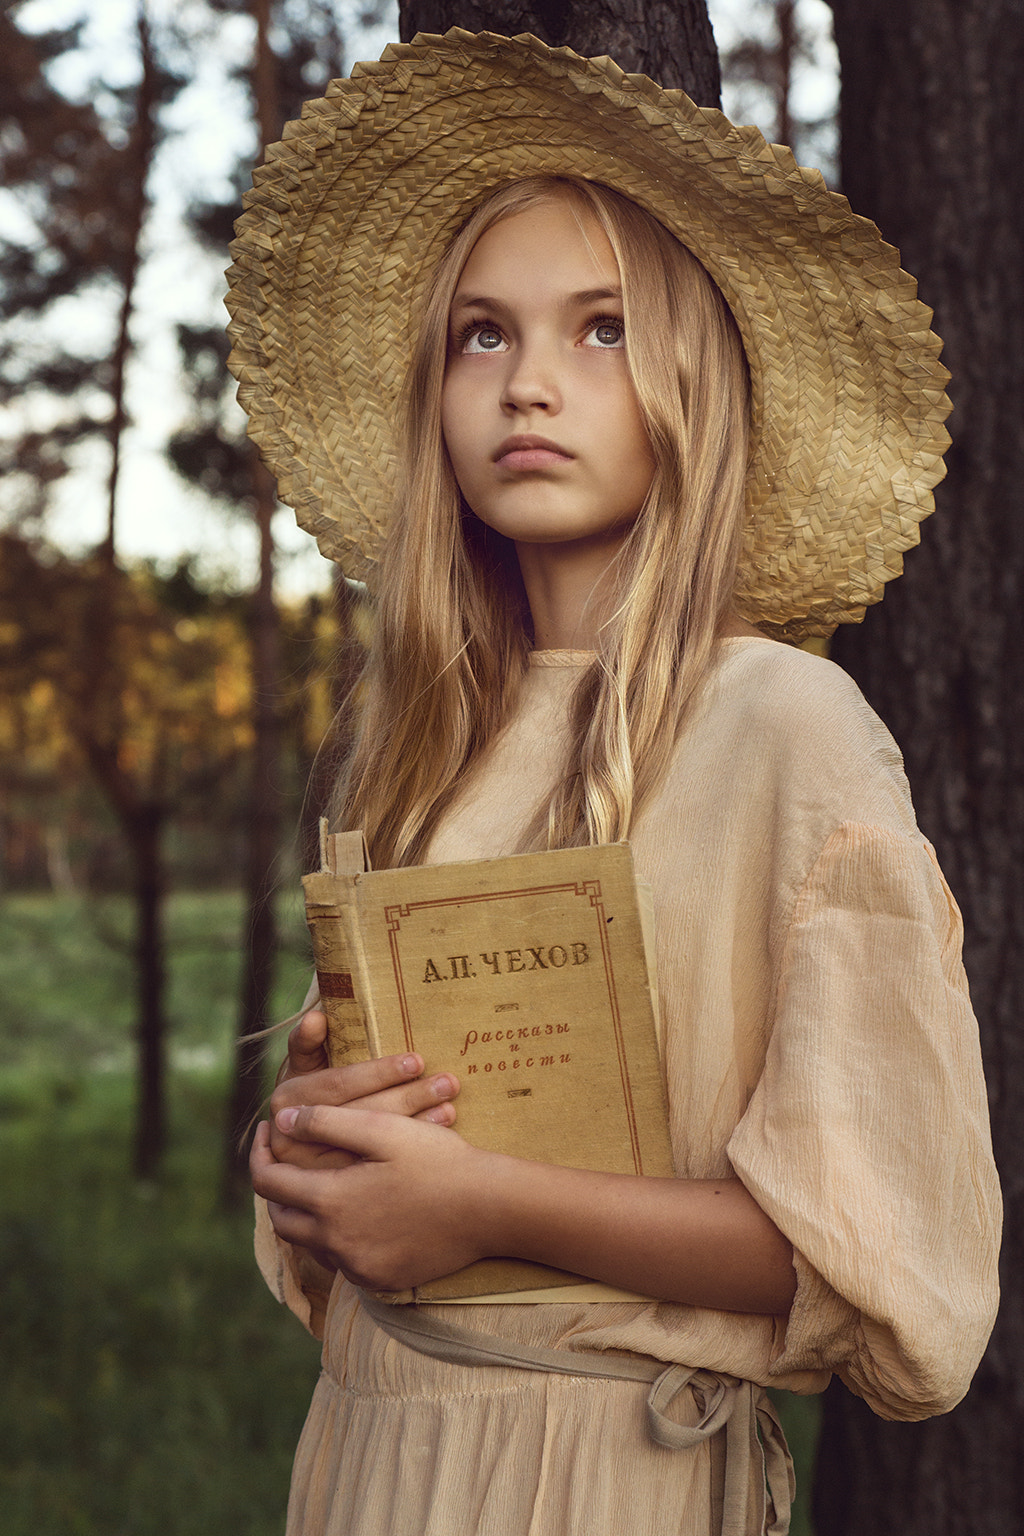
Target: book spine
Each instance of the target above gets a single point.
(326, 912)
(343, 977)
(348, 916)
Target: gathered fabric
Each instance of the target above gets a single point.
(754, 1442)
(399, 1442)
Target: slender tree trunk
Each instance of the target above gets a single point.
(670, 40)
(264, 818)
(932, 148)
(96, 725)
(785, 21)
(139, 159)
(141, 820)
(143, 833)
(262, 851)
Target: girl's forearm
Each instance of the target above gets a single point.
(704, 1242)
(417, 1202)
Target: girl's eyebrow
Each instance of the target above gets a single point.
(593, 296)
(577, 300)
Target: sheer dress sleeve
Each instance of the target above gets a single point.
(866, 1139)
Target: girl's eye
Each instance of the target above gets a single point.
(482, 338)
(605, 333)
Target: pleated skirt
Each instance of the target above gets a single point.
(399, 1444)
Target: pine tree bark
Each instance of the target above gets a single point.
(670, 40)
(932, 149)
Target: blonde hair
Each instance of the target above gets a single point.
(453, 626)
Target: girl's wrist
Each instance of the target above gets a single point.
(493, 1212)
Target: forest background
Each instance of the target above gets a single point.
(172, 658)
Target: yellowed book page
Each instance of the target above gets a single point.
(584, 1291)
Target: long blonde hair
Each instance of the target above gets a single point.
(453, 626)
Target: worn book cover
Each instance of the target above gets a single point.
(528, 977)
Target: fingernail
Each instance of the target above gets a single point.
(444, 1088)
(441, 1115)
(286, 1118)
(411, 1064)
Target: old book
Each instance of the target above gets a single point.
(528, 977)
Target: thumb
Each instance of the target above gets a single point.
(307, 1043)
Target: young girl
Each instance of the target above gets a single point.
(621, 486)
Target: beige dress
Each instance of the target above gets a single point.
(819, 1044)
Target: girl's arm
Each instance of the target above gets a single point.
(421, 1203)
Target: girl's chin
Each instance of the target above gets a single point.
(556, 529)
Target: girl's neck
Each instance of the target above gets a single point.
(571, 589)
(571, 592)
(733, 625)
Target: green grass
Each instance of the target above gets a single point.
(150, 1383)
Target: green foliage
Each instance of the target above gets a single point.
(151, 1385)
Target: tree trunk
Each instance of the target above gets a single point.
(97, 725)
(139, 160)
(262, 853)
(670, 40)
(143, 833)
(264, 818)
(785, 26)
(141, 820)
(932, 145)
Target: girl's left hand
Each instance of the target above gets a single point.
(405, 1213)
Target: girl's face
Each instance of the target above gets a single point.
(538, 409)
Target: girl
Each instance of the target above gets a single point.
(590, 564)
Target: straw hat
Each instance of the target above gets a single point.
(350, 212)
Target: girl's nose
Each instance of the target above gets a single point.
(531, 382)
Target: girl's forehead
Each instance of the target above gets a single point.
(547, 243)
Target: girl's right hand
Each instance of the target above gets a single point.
(393, 1084)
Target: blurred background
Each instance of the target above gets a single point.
(173, 652)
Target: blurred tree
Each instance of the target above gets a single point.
(76, 183)
(761, 70)
(134, 172)
(104, 194)
(298, 46)
(172, 728)
(57, 162)
(264, 831)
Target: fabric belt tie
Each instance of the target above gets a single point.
(753, 1435)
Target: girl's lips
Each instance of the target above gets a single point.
(529, 452)
(532, 458)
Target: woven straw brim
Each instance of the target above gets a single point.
(349, 214)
